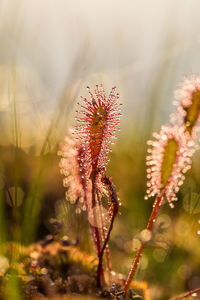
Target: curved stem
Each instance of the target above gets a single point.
(102, 251)
(108, 260)
(156, 208)
(114, 210)
(186, 294)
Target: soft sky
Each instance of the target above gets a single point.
(55, 47)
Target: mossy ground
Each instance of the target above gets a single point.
(55, 269)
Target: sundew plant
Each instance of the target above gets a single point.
(98, 122)
(77, 254)
(168, 159)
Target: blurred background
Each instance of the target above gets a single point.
(50, 51)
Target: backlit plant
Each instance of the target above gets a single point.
(188, 105)
(84, 163)
(98, 121)
(169, 157)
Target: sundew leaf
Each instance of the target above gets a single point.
(169, 159)
(192, 112)
(191, 203)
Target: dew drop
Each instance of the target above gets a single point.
(145, 235)
(194, 295)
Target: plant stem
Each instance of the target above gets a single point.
(114, 208)
(156, 208)
(102, 250)
(108, 261)
(185, 294)
(95, 230)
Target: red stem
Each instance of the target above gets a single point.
(102, 251)
(134, 265)
(108, 261)
(185, 294)
(95, 229)
(114, 208)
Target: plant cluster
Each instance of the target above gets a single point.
(85, 156)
